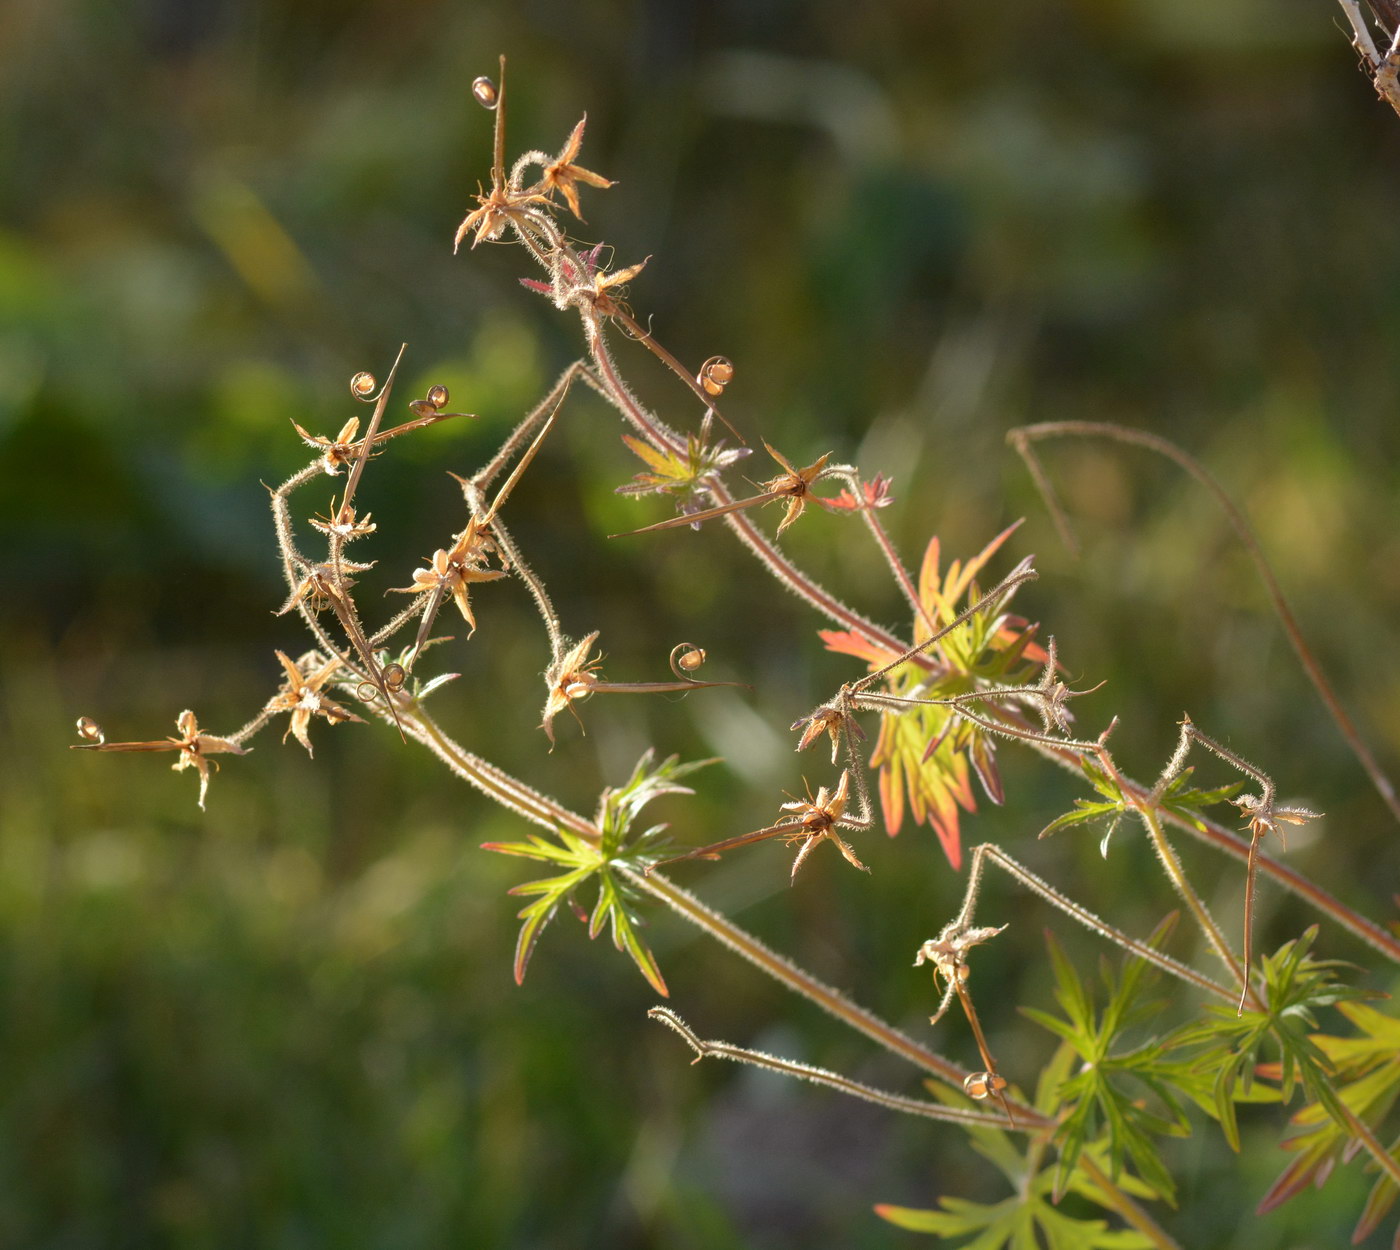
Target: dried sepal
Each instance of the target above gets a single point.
(450, 572)
(812, 820)
(563, 174)
(194, 748)
(571, 679)
(342, 523)
(828, 719)
(948, 951)
(324, 586)
(793, 484)
(302, 695)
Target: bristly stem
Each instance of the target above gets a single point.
(821, 1076)
(1209, 929)
(1022, 438)
(990, 853)
(543, 811)
(883, 541)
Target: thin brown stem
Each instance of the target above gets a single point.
(1022, 439)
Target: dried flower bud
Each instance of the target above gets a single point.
(438, 396)
(394, 678)
(983, 1085)
(90, 731)
(484, 92)
(715, 374)
(362, 384)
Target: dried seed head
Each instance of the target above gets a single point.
(983, 1085)
(484, 92)
(438, 397)
(691, 660)
(394, 678)
(715, 374)
(90, 731)
(422, 407)
(362, 384)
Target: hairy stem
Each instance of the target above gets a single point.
(820, 1076)
(1171, 865)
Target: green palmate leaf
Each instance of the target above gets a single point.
(616, 907)
(1188, 802)
(1106, 1095)
(1178, 797)
(1024, 1221)
(1296, 987)
(1367, 1070)
(1029, 1218)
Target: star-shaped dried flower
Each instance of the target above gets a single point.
(301, 696)
(563, 175)
(570, 680)
(323, 586)
(335, 452)
(814, 820)
(194, 748)
(495, 210)
(817, 819)
(794, 485)
(344, 524)
(607, 288)
(451, 572)
(1263, 816)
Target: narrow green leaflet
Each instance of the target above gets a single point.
(1178, 798)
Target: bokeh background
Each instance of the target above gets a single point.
(912, 225)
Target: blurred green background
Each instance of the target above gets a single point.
(912, 225)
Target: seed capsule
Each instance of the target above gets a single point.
(715, 374)
(394, 678)
(686, 659)
(422, 407)
(437, 396)
(983, 1085)
(90, 731)
(362, 384)
(485, 93)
